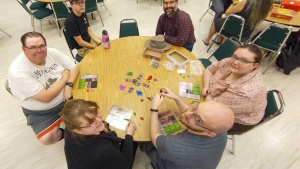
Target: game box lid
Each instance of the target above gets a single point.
(177, 58)
(153, 53)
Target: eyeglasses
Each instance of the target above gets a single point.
(241, 60)
(34, 49)
(171, 3)
(92, 125)
(79, 3)
(199, 122)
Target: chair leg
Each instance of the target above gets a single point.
(5, 33)
(233, 145)
(204, 14)
(270, 63)
(58, 27)
(100, 17)
(213, 41)
(106, 8)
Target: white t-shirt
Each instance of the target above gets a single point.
(27, 79)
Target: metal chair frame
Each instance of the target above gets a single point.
(34, 17)
(267, 118)
(58, 8)
(100, 3)
(5, 32)
(7, 87)
(210, 10)
(224, 32)
(71, 47)
(287, 30)
(89, 4)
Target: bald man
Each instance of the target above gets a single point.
(201, 145)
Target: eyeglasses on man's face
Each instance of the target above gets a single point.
(35, 48)
(169, 3)
(240, 60)
(79, 3)
(193, 108)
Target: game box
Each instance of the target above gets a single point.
(153, 53)
(291, 4)
(177, 58)
(282, 13)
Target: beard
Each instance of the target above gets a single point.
(170, 12)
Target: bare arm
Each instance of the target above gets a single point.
(93, 36)
(68, 90)
(154, 122)
(46, 95)
(235, 8)
(83, 43)
(206, 79)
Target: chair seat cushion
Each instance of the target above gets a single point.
(205, 62)
(37, 5)
(91, 9)
(42, 13)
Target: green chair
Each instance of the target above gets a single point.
(35, 5)
(275, 106)
(128, 27)
(101, 3)
(71, 47)
(39, 14)
(272, 39)
(91, 7)
(224, 51)
(61, 12)
(210, 10)
(232, 27)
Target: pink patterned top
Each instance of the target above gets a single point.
(246, 96)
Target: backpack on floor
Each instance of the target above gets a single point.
(289, 58)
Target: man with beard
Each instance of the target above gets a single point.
(79, 31)
(41, 79)
(201, 145)
(176, 26)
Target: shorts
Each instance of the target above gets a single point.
(43, 121)
(84, 51)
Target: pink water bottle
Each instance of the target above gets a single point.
(105, 39)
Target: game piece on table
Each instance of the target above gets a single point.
(146, 85)
(127, 80)
(154, 63)
(140, 76)
(87, 90)
(142, 100)
(139, 93)
(122, 87)
(150, 98)
(142, 118)
(129, 74)
(137, 82)
(130, 90)
(155, 79)
(175, 113)
(149, 79)
(134, 113)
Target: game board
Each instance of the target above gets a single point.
(119, 117)
(88, 81)
(168, 122)
(189, 90)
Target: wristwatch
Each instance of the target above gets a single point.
(70, 84)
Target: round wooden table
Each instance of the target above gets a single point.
(112, 66)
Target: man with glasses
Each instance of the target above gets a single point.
(41, 79)
(238, 82)
(78, 29)
(200, 146)
(176, 26)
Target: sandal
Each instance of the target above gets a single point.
(206, 44)
(216, 42)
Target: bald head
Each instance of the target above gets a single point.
(217, 116)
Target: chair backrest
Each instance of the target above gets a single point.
(21, 2)
(70, 45)
(233, 26)
(273, 37)
(60, 10)
(272, 109)
(128, 27)
(226, 49)
(90, 6)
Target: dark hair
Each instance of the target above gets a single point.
(76, 108)
(31, 34)
(253, 49)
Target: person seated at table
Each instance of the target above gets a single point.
(88, 141)
(200, 146)
(238, 82)
(176, 26)
(78, 29)
(253, 11)
(41, 79)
